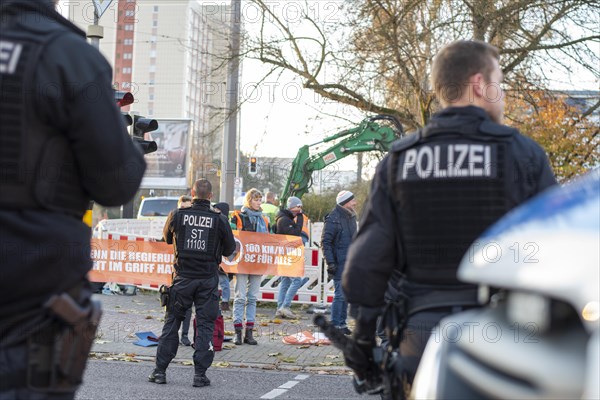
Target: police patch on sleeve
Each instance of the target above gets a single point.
(448, 161)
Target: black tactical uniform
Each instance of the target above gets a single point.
(431, 197)
(201, 236)
(63, 142)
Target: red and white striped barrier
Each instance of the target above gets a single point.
(315, 291)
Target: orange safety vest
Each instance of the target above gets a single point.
(239, 220)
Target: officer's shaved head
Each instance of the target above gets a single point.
(202, 189)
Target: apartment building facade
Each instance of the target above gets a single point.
(172, 55)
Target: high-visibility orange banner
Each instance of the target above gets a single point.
(151, 263)
(266, 254)
(131, 262)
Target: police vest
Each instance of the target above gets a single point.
(197, 235)
(37, 166)
(448, 186)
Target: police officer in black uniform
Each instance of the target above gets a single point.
(200, 236)
(433, 195)
(63, 142)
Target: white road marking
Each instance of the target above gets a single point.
(289, 385)
(273, 393)
(301, 377)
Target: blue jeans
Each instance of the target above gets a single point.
(339, 307)
(287, 290)
(225, 288)
(247, 288)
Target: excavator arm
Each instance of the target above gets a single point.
(367, 136)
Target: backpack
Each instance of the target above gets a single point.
(218, 333)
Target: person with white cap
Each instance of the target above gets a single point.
(289, 222)
(338, 231)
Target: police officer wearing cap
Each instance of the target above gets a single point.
(433, 194)
(63, 142)
(200, 236)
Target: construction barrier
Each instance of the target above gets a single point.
(316, 291)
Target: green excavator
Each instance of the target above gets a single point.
(369, 135)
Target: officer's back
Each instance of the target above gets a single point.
(63, 142)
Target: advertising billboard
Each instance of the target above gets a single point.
(167, 167)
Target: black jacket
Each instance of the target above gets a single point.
(191, 268)
(377, 249)
(46, 252)
(338, 231)
(286, 225)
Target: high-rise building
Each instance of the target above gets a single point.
(172, 55)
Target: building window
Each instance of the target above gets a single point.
(126, 85)
(151, 96)
(155, 8)
(129, 13)
(127, 56)
(128, 42)
(154, 23)
(152, 53)
(128, 27)
(127, 70)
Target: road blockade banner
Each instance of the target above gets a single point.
(151, 263)
(266, 254)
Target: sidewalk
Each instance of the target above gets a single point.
(123, 316)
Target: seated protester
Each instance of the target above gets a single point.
(247, 286)
(289, 222)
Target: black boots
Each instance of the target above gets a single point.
(248, 339)
(238, 336)
(201, 380)
(158, 376)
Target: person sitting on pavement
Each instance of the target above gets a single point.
(289, 222)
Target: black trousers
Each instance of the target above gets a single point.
(204, 295)
(415, 336)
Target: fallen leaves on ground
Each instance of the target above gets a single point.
(221, 364)
(187, 363)
(332, 356)
(287, 359)
(274, 354)
(304, 346)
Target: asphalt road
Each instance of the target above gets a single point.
(128, 380)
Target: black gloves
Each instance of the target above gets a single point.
(331, 270)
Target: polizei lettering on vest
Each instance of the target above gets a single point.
(9, 56)
(448, 161)
(198, 220)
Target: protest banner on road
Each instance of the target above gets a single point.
(151, 263)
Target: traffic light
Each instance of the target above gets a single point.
(252, 170)
(141, 126)
(123, 98)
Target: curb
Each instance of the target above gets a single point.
(329, 370)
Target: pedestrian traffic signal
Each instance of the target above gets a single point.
(252, 166)
(141, 126)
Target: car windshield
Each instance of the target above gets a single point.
(158, 207)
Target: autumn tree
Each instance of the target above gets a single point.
(571, 138)
(375, 55)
